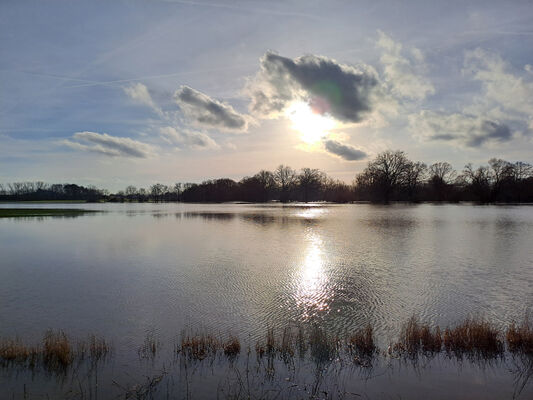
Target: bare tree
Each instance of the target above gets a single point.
(310, 181)
(285, 177)
(131, 191)
(387, 172)
(522, 170)
(478, 181)
(157, 190)
(442, 172)
(415, 173)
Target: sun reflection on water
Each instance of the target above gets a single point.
(311, 212)
(311, 287)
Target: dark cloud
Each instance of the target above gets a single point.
(490, 131)
(109, 145)
(208, 112)
(344, 151)
(343, 91)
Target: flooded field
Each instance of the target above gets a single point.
(187, 298)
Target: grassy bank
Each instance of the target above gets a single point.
(42, 212)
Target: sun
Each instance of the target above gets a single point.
(312, 126)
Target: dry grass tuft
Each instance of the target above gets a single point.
(520, 337)
(286, 346)
(98, 347)
(199, 346)
(57, 350)
(416, 337)
(361, 343)
(17, 352)
(232, 347)
(473, 338)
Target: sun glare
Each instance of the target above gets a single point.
(312, 126)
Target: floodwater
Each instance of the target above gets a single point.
(239, 269)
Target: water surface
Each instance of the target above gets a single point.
(238, 268)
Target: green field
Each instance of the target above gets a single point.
(42, 212)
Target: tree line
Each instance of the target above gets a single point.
(390, 176)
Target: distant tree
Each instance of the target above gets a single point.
(178, 188)
(156, 191)
(478, 182)
(522, 170)
(131, 192)
(310, 182)
(415, 174)
(285, 178)
(441, 174)
(266, 183)
(385, 174)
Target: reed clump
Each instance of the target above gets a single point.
(474, 337)
(292, 341)
(283, 345)
(199, 346)
(57, 350)
(416, 338)
(149, 348)
(520, 337)
(99, 348)
(232, 347)
(362, 343)
(56, 353)
(15, 351)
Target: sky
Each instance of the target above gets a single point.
(113, 93)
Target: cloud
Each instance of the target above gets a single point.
(345, 92)
(187, 138)
(470, 130)
(404, 73)
(344, 151)
(109, 145)
(509, 93)
(139, 93)
(208, 112)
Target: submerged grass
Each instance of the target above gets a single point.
(520, 337)
(361, 344)
(416, 338)
(149, 348)
(473, 337)
(476, 339)
(199, 346)
(57, 350)
(56, 353)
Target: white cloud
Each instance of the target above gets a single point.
(139, 93)
(404, 75)
(502, 89)
(109, 145)
(464, 129)
(185, 138)
(204, 111)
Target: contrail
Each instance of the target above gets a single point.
(239, 8)
(141, 78)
